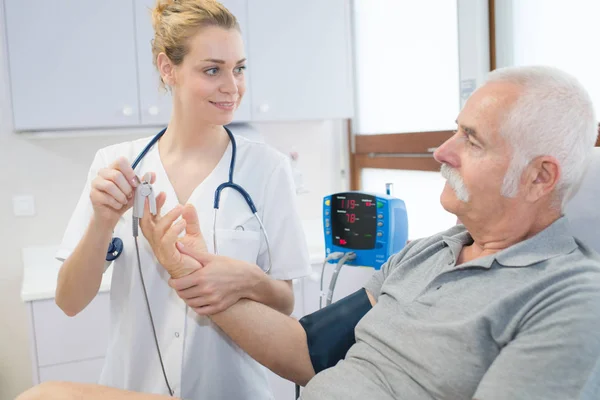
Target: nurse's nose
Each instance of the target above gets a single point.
(229, 84)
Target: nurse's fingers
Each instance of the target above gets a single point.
(208, 310)
(118, 179)
(110, 188)
(186, 282)
(101, 198)
(122, 164)
(200, 301)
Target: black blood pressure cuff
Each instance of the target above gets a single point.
(330, 331)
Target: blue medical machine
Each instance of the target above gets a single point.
(372, 226)
(361, 229)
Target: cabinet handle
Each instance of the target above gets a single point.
(153, 110)
(127, 111)
(263, 108)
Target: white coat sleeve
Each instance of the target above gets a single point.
(289, 250)
(82, 214)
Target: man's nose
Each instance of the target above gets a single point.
(447, 153)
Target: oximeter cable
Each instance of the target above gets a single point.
(137, 251)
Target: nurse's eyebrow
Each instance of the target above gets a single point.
(214, 60)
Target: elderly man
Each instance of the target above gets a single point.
(504, 306)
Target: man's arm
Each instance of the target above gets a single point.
(273, 339)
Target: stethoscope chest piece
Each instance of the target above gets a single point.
(115, 248)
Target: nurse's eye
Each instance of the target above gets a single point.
(212, 71)
(239, 70)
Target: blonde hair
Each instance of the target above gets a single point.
(176, 21)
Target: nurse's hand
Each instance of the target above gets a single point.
(162, 232)
(112, 192)
(219, 284)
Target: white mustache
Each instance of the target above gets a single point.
(455, 181)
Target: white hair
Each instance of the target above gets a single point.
(553, 116)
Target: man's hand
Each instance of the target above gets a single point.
(163, 233)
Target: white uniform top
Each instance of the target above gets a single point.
(200, 360)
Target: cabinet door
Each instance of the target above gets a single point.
(72, 63)
(60, 339)
(156, 103)
(299, 59)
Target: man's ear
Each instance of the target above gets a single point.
(166, 68)
(542, 176)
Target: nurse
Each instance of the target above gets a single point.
(199, 54)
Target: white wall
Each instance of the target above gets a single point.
(53, 170)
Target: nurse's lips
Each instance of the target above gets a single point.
(227, 106)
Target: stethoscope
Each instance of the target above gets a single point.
(116, 245)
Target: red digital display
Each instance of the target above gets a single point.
(354, 220)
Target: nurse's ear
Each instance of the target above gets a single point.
(166, 68)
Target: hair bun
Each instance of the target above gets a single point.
(158, 11)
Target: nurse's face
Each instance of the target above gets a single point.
(209, 84)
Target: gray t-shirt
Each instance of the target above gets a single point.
(523, 323)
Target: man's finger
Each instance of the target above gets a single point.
(171, 235)
(164, 223)
(160, 202)
(198, 253)
(191, 217)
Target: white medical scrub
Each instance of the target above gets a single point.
(201, 362)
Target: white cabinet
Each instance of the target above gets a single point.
(89, 64)
(71, 63)
(300, 59)
(65, 348)
(155, 102)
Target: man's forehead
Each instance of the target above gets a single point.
(486, 106)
